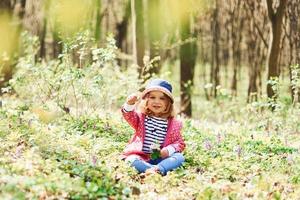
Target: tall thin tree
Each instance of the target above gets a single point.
(276, 20)
(215, 65)
(154, 33)
(140, 36)
(188, 53)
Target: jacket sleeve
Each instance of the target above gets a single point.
(131, 117)
(177, 141)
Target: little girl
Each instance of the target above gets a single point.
(157, 143)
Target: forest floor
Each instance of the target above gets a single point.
(250, 154)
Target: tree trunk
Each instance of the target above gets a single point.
(253, 66)
(122, 27)
(133, 19)
(42, 39)
(36, 23)
(204, 60)
(140, 37)
(98, 21)
(256, 20)
(293, 37)
(276, 19)
(19, 8)
(56, 45)
(216, 50)
(6, 5)
(122, 30)
(236, 37)
(6, 66)
(252, 46)
(188, 53)
(154, 32)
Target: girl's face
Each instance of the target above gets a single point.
(157, 102)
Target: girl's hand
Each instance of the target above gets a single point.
(132, 99)
(164, 153)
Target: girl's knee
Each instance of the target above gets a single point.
(179, 157)
(130, 159)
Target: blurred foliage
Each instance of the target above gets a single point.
(67, 17)
(9, 34)
(9, 44)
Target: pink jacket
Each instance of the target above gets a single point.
(135, 145)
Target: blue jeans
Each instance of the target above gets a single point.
(164, 165)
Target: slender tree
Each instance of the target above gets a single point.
(154, 33)
(237, 23)
(293, 40)
(140, 36)
(133, 19)
(276, 20)
(33, 20)
(122, 27)
(6, 5)
(215, 65)
(98, 20)
(256, 46)
(188, 53)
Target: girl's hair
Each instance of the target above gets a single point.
(168, 113)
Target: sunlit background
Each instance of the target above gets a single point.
(69, 16)
(9, 35)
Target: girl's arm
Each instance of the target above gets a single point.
(177, 144)
(130, 116)
(128, 111)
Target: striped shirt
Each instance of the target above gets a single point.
(155, 132)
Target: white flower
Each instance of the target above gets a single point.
(154, 146)
(6, 89)
(208, 85)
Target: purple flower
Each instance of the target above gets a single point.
(290, 159)
(219, 138)
(207, 145)
(238, 150)
(286, 141)
(19, 151)
(94, 160)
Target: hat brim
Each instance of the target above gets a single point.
(161, 89)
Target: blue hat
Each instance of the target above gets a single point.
(159, 85)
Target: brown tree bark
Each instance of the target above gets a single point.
(236, 38)
(98, 21)
(188, 53)
(56, 45)
(256, 47)
(19, 8)
(292, 34)
(42, 37)
(6, 5)
(253, 65)
(215, 71)
(121, 28)
(276, 20)
(35, 22)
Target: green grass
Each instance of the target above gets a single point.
(237, 157)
